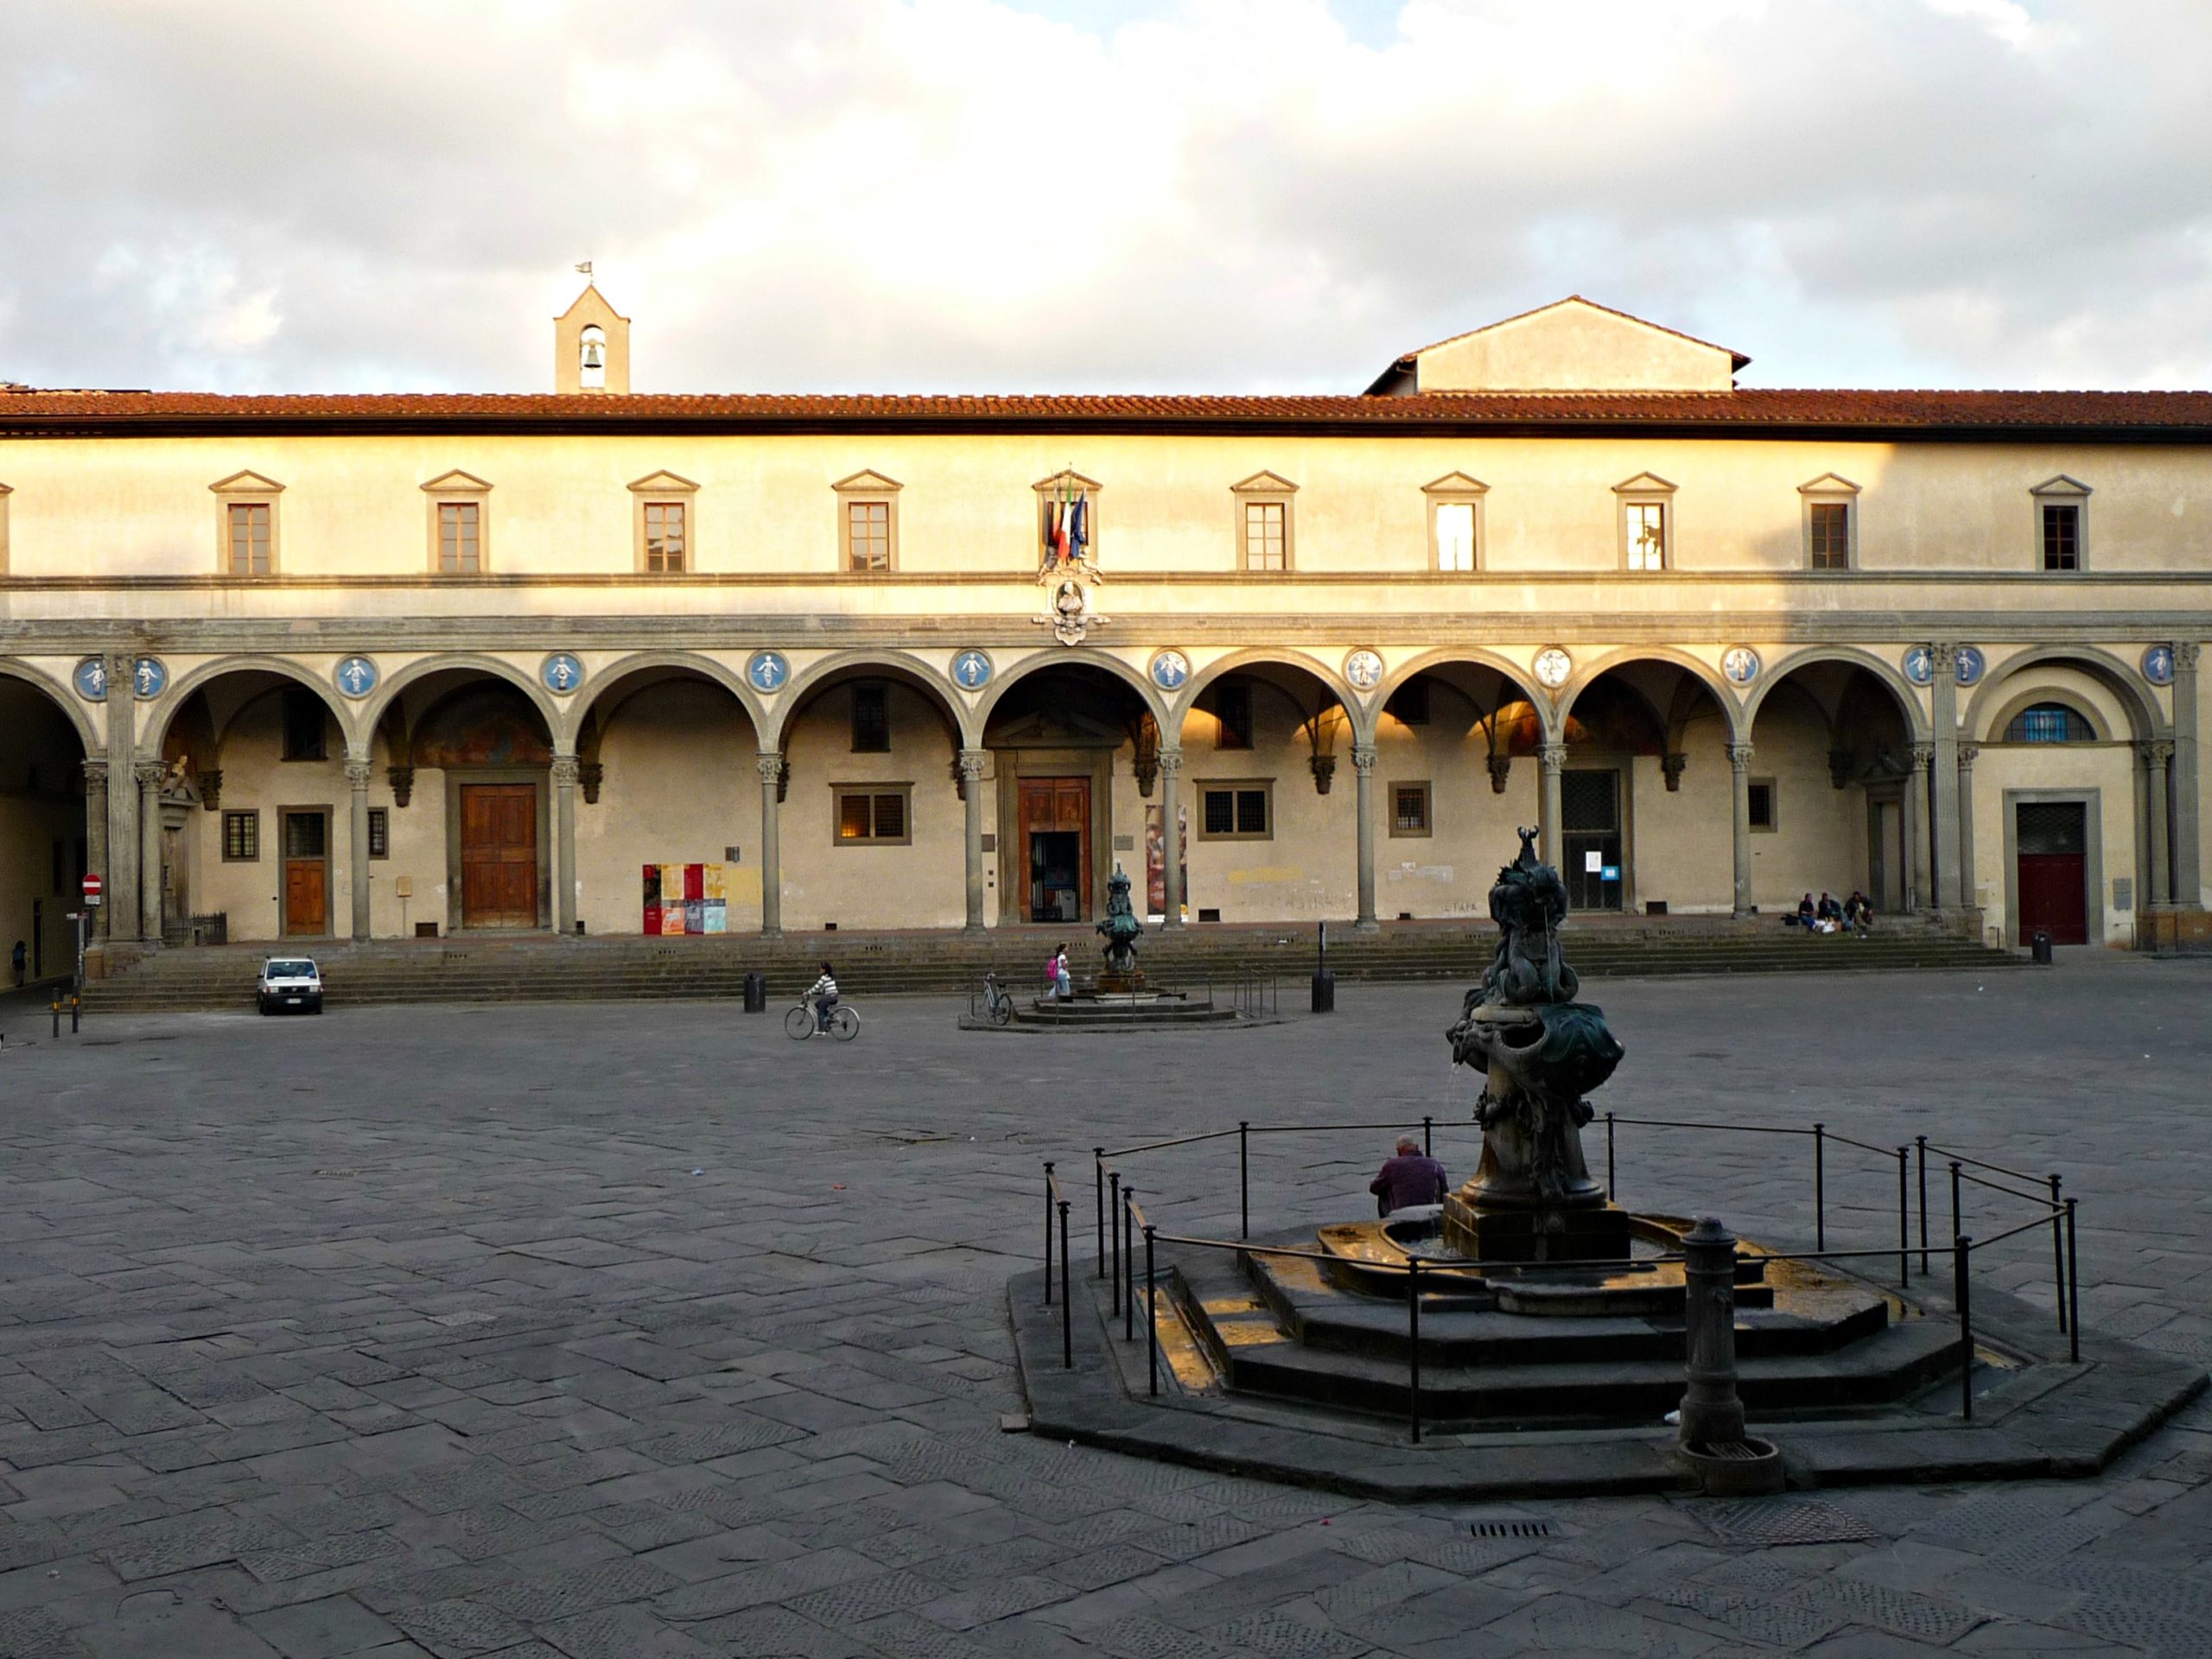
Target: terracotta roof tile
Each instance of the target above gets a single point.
(1872, 412)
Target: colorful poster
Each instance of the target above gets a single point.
(671, 916)
(652, 899)
(694, 882)
(717, 915)
(1155, 863)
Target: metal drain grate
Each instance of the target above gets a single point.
(1510, 1529)
(1781, 1521)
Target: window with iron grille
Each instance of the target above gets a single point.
(1236, 811)
(1762, 803)
(2048, 722)
(2061, 535)
(307, 834)
(1232, 707)
(1409, 809)
(872, 815)
(665, 538)
(2046, 827)
(1829, 523)
(871, 719)
(241, 837)
(380, 832)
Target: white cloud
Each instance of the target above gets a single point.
(1018, 195)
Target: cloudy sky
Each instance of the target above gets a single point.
(1096, 194)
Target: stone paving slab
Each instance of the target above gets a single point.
(286, 1364)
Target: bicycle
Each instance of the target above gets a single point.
(800, 1023)
(998, 1007)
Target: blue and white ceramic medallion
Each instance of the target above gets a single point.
(561, 673)
(971, 670)
(90, 679)
(1919, 665)
(2158, 664)
(150, 677)
(1169, 669)
(357, 676)
(1968, 663)
(1740, 664)
(1363, 669)
(768, 671)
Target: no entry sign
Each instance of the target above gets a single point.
(92, 889)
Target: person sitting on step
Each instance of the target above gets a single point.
(1411, 1177)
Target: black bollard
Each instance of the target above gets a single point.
(1712, 1415)
(1325, 982)
(76, 1009)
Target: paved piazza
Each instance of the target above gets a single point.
(643, 1330)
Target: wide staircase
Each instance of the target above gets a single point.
(1212, 956)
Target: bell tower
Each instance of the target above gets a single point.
(591, 346)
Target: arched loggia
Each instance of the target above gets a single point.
(51, 819)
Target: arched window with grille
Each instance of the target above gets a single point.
(2049, 722)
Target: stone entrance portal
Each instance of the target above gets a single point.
(307, 874)
(498, 856)
(1056, 848)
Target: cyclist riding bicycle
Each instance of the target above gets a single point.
(823, 994)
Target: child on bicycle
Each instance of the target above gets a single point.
(823, 994)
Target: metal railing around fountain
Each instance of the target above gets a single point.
(1117, 1236)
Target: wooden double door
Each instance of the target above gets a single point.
(498, 856)
(1056, 848)
(306, 837)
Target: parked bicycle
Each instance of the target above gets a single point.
(998, 1007)
(801, 1022)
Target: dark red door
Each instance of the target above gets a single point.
(2053, 878)
(498, 856)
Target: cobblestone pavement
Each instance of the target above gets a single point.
(644, 1331)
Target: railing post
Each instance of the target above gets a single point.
(2059, 1252)
(2074, 1287)
(1114, 1231)
(1819, 1186)
(1413, 1343)
(1713, 1411)
(1960, 1245)
(1098, 1191)
(1067, 1297)
(1921, 1141)
(1955, 1197)
(1612, 1191)
(1129, 1264)
(1151, 1318)
(1904, 1216)
(1048, 1232)
(1427, 1136)
(1244, 1178)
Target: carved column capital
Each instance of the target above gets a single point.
(2185, 654)
(1325, 772)
(1362, 758)
(772, 770)
(358, 773)
(95, 775)
(1171, 761)
(2155, 751)
(1501, 768)
(973, 763)
(150, 774)
(401, 779)
(1670, 768)
(1553, 758)
(1739, 757)
(1968, 754)
(1921, 754)
(1942, 659)
(567, 770)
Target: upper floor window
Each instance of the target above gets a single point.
(1263, 513)
(1831, 523)
(2063, 522)
(2049, 722)
(247, 530)
(1067, 517)
(662, 523)
(867, 508)
(460, 524)
(871, 718)
(1646, 523)
(1455, 520)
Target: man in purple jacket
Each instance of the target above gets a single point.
(1410, 1178)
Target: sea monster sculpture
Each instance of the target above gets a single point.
(1541, 1052)
(1120, 926)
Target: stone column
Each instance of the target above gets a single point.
(1739, 764)
(2157, 756)
(2183, 784)
(357, 782)
(1943, 777)
(565, 773)
(1552, 757)
(972, 762)
(1363, 765)
(1915, 798)
(1170, 837)
(121, 894)
(772, 860)
(96, 838)
(150, 773)
(1968, 753)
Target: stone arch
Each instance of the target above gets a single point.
(586, 702)
(1704, 672)
(905, 669)
(1476, 657)
(1043, 660)
(387, 691)
(1890, 675)
(2143, 717)
(165, 707)
(73, 708)
(1358, 709)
